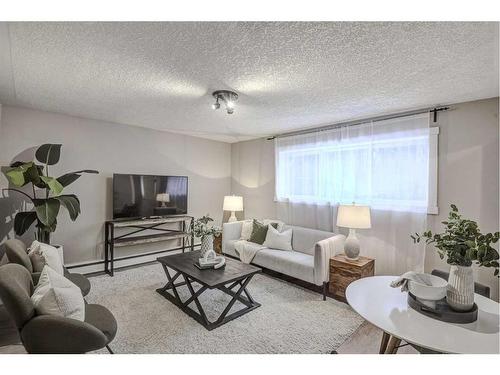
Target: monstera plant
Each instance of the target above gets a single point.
(47, 197)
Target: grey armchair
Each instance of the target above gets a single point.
(17, 252)
(48, 333)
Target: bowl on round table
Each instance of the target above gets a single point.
(428, 289)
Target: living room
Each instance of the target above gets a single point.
(217, 187)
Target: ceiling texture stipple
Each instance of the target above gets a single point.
(288, 75)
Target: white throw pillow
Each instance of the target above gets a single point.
(56, 295)
(246, 230)
(277, 240)
(42, 255)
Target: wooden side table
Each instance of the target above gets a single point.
(344, 271)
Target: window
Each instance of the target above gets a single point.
(387, 165)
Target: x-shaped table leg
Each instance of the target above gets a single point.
(235, 298)
(194, 297)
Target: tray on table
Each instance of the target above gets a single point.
(443, 311)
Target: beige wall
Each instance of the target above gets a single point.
(109, 148)
(468, 173)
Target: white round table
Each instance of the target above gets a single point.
(387, 308)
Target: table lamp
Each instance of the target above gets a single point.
(233, 203)
(163, 198)
(353, 217)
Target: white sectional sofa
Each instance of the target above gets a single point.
(309, 260)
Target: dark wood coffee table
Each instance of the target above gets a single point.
(234, 274)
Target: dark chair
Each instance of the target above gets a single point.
(17, 252)
(49, 333)
(478, 288)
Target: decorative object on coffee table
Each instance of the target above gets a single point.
(233, 203)
(353, 217)
(344, 271)
(204, 229)
(463, 244)
(48, 201)
(235, 274)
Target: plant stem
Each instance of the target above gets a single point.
(18, 191)
(34, 192)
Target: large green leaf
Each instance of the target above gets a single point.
(23, 221)
(47, 210)
(17, 175)
(69, 178)
(71, 203)
(48, 153)
(55, 186)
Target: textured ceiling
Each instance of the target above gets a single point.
(288, 75)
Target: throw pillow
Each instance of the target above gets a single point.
(278, 222)
(277, 240)
(42, 255)
(246, 230)
(56, 295)
(259, 232)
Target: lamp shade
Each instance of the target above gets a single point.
(356, 217)
(233, 203)
(163, 197)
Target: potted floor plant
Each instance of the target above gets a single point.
(463, 244)
(46, 192)
(204, 229)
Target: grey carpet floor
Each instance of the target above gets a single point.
(290, 320)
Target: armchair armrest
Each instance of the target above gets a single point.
(55, 334)
(323, 251)
(230, 232)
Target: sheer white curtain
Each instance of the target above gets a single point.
(384, 165)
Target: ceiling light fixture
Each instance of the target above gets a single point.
(227, 97)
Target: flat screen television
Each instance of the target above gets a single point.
(138, 196)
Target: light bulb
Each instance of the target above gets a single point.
(230, 104)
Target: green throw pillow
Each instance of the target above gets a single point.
(259, 232)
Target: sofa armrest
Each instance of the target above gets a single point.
(323, 251)
(231, 232)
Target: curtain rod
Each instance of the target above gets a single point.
(433, 110)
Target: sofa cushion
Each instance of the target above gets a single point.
(259, 232)
(304, 239)
(291, 263)
(246, 230)
(277, 240)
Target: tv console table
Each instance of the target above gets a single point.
(185, 233)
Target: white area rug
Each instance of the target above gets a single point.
(290, 320)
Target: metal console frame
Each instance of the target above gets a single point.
(110, 240)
